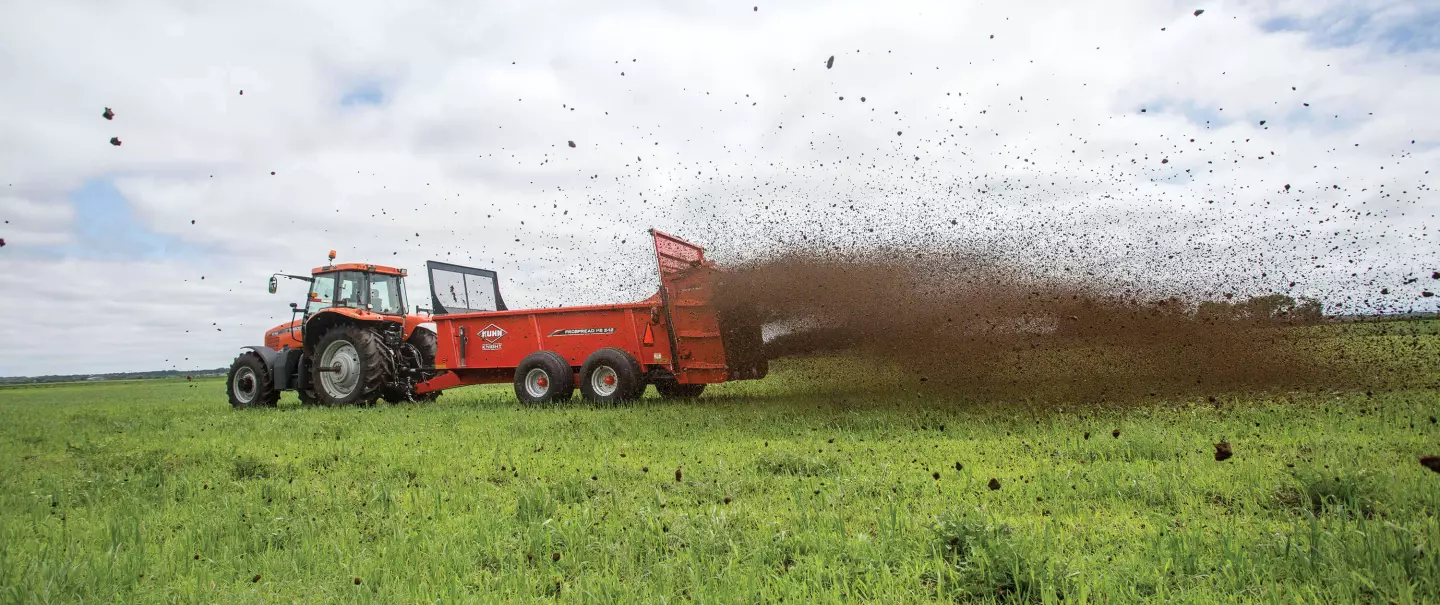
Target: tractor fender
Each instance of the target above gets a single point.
(282, 365)
(267, 354)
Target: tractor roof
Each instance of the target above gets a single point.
(357, 267)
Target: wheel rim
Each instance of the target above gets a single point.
(245, 385)
(342, 356)
(537, 383)
(604, 382)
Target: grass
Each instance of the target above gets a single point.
(153, 491)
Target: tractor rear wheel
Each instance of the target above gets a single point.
(670, 389)
(249, 383)
(428, 344)
(349, 366)
(544, 377)
(611, 376)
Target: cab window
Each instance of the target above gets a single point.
(387, 294)
(322, 293)
(351, 289)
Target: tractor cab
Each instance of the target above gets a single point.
(358, 291)
(373, 288)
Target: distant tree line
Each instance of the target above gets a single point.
(111, 376)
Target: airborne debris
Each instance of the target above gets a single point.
(109, 115)
(571, 143)
(830, 62)
(994, 484)
(115, 141)
(1431, 462)
(1223, 451)
(1199, 11)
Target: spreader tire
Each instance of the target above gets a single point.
(611, 376)
(249, 384)
(349, 367)
(669, 389)
(544, 377)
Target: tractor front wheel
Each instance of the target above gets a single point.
(349, 367)
(249, 383)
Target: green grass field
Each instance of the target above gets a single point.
(779, 490)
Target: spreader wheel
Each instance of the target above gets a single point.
(670, 389)
(249, 383)
(611, 376)
(349, 366)
(544, 377)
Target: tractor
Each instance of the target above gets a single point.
(353, 343)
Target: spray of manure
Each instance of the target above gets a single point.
(979, 328)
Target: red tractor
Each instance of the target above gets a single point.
(354, 341)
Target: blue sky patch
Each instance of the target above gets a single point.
(1415, 32)
(364, 94)
(106, 227)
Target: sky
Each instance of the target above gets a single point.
(1257, 146)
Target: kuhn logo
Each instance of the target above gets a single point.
(491, 333)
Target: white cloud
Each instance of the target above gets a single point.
(1032, 142)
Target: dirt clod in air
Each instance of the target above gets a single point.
(1199, 12)
(830, 62)
(1115, 433)
(109, 115)
(115, 141)
(1431, 462)
(1223, 451)
(571, 143)
(679, 476)
(994, 484)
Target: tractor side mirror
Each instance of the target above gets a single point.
(274, 285)
(293, 306)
